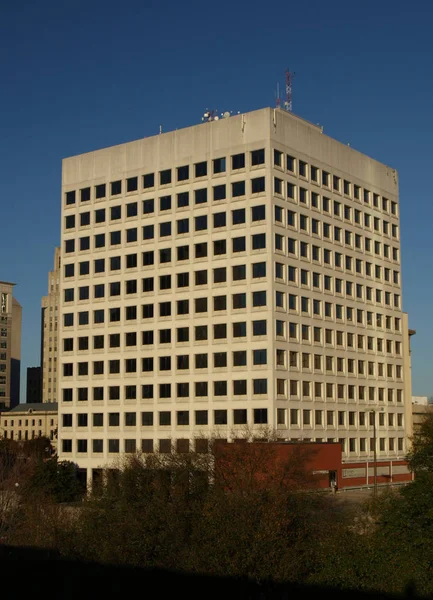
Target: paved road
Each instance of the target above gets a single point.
(361, 495)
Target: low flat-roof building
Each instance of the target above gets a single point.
(29, 421)
(419, 412)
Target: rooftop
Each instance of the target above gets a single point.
(35, 407)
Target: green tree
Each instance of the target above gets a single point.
(420, 456)
(55, 480)
(177, 512)
(39, 448)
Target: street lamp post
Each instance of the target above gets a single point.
(373, 412)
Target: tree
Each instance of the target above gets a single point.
(420, 457)
(13, 472)
(39, 448)
(174, 511)
(55, 480)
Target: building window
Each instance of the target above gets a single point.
(113, 446)
(257, 185)
(183, 173)
(165, 177)
(260, 416)
(200, 169)
(148, 180)
(257, 157)
(220, 417)
(238, 161)
(240, 416)
(238, 189)
(182, 417)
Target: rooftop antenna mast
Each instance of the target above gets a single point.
(278, 99)
(288, 100)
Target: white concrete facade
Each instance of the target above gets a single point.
(242, 270)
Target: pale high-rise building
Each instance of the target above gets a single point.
(50, 333)
(244, 271)
(10, 346)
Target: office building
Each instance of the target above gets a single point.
(33, 394)
(29, 421)
(50, 333)
(240, 272)
(10, 346)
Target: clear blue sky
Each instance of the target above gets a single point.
(77, 76)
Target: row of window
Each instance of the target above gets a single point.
(26, 422)
(146, 419)
(291, 360)
(337, 184)
(296, 331)
(336, 210)
(164, 282)
(239, 358)
(238, 162)
(258, 241)
(287, 190)
(335, 285)
(201, 223)
(312, 252)
(328, 231)
(165, 446)
(347, 366)
(148, 258)
(201, 389)
(165, 310)
(293, 274)
(26, 435)
(291, 302)
(320, 390)
(238, 244)
(237, 188)
(341, 339)
(330, 418)
(294, 220)
(331, 310)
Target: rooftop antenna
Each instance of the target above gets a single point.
(288, 100)
(278, 99)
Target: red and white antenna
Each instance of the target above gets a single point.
(288, 100)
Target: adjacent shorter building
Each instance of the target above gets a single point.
(49, 333)
(420, 409)
(317, 465)
(29, 421)
(421, 400)
(33, 385)
(10, 346)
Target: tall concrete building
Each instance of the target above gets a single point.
(34, 385)
(10, 346)
(239, 272)
(50, 333)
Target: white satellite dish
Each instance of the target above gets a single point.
(216, 118)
